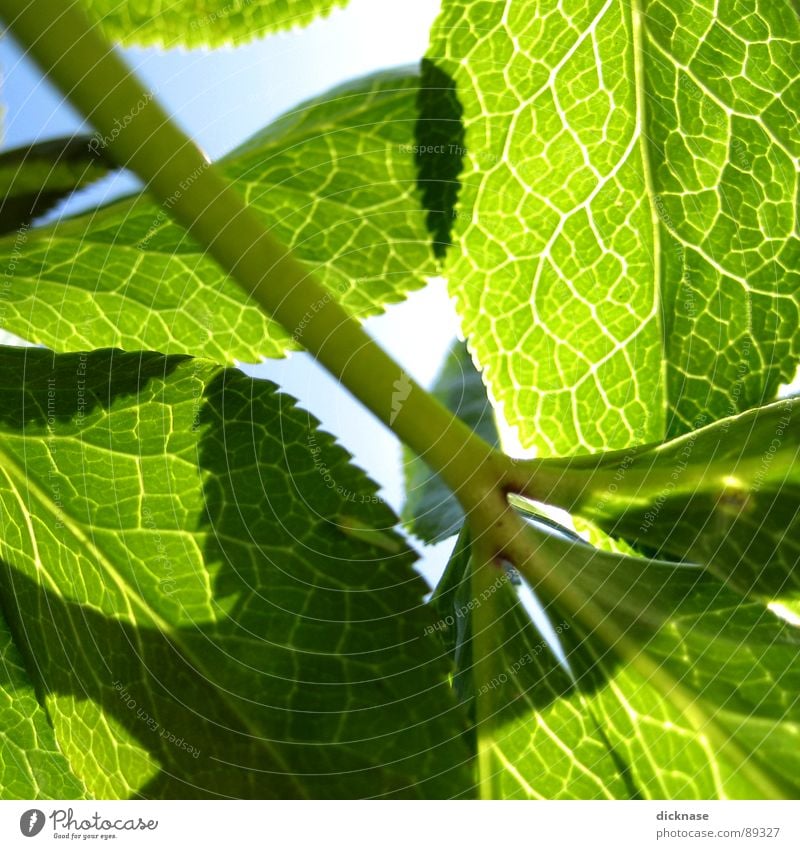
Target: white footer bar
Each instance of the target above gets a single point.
(397, 825)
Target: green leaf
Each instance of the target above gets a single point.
(450, 603)
(498, 655)
(627, 161)
(431, 511)
(671, 687)
(724, 156)
(34, 178)
(211, 23)
(680, 690)
(199, 623)
(726, 496)
(31, 765)
(440, 152)
(334, 180)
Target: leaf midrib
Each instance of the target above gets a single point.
(637, 32)
(698, 715)
(134, 600)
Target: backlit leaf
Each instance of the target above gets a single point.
(199, 623)
(334, 180)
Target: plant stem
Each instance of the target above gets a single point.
(484, 571)
(142, 137)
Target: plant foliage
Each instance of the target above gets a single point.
(202, 596)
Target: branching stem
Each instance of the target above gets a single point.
(142, 137)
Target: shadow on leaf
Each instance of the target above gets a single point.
(195, 618)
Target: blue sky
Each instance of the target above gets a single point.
(223, 96)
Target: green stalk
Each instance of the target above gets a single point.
(484, 569)
(142, 137)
